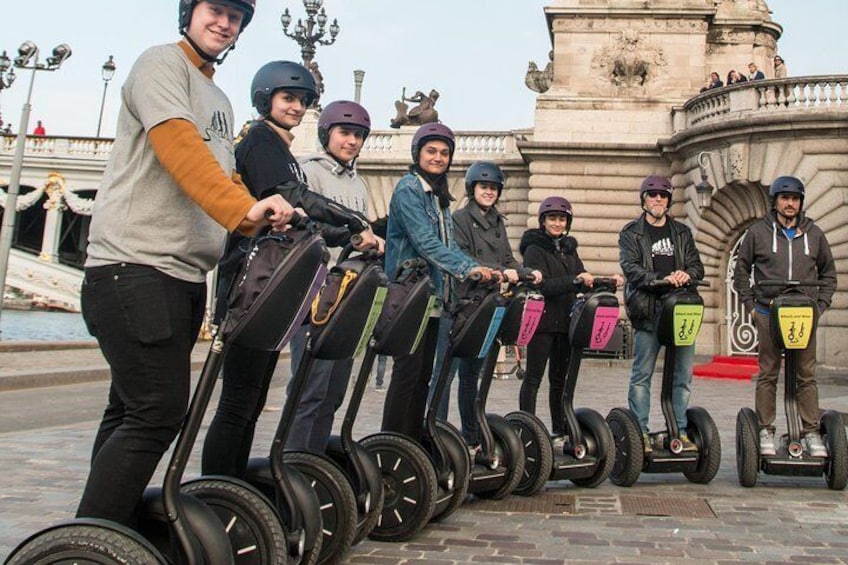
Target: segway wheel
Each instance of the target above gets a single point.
(600, 443)
(510, 450)
(704, 433)
(833, 430)
(460, 462)
(409, 486)
(747, 448)
(255, 532)
(629, 450)
(85, 543)
(538, 453)
(335, 499)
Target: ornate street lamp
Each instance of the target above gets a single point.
(27, 59)
(704, 189)
(7, 73)
(107, 71)
(307, 36)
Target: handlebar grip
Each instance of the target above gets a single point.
(416, 263)
(356, 239)
(475, 276)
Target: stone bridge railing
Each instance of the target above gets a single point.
(383, 145)
(795, 94)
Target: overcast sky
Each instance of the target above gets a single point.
(474, 52)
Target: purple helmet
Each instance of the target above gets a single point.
(656, 183)
(342, 112)
(556, 205)
(247, 7)
(432, 131)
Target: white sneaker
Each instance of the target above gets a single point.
(767, 442)
(815, 445)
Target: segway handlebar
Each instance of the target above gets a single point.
(663, 283)
(604, 283)
(417, 263)
(790, 283)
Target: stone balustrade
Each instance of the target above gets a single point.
(63, 147)
(382, 145)
(752, 98)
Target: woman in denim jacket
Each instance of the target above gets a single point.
(420, 226)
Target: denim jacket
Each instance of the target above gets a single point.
(413, 231)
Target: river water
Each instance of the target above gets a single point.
(37, 325)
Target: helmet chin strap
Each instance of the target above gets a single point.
(206, 56)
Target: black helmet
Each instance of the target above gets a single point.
(784, 185)
(280, 75)
(556, 205)
(247, 7)
(432, 131)
(656, 183)
(342, 112)
(483, 171)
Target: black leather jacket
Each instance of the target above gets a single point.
(634, 249)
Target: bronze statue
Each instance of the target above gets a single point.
(423, 113)
(540, 81)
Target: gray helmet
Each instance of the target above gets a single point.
(786, 185)
(483, 171)
(556, 205)
(342, 112)
(656, 183)
(280, 75)
(247, 7)
(432, 131)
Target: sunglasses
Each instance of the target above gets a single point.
(656, 194)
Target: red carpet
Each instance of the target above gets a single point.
(721, 367)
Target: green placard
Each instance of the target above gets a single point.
(687, 323)
(424, 319)
(373, 314)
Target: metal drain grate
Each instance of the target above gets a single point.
(662, 506)
(547, 503)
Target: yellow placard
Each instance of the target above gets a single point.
(796, 326)
(687, 323)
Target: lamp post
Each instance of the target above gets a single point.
(306, 35)
(27, 59)
(7, 75)
(704, 189)
(107, 71)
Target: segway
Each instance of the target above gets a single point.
(343, 316)
(280, 276)
(793, 320)
(587, 456)
(499, 466)
(678, 324)
(406, 473)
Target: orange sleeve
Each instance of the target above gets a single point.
(180, 149)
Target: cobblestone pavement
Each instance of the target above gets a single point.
(663, 518)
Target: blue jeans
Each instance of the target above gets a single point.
(322, 395)
(646, 348)
(469, 373)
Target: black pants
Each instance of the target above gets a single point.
(146, 323)
(542, 347)
(247, 375)
(406, 398)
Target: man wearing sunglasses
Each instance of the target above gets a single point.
(656, 246)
